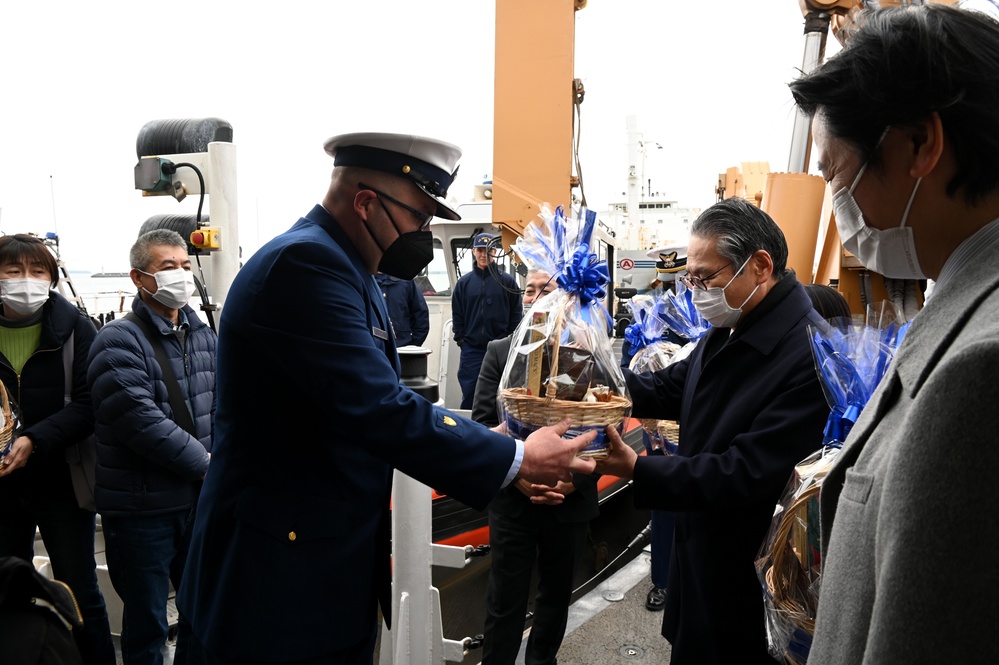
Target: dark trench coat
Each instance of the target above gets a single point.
(749, 407)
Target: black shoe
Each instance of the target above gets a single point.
(656, 600)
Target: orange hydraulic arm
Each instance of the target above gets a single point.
(533, 109)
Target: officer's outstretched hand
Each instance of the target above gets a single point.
(548, 458)
(621, 460)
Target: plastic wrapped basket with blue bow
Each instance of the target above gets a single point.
(561, 362)
(850, 360)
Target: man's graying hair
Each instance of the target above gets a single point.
(140, 256)
(740, 229)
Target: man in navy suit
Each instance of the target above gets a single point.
(290, 553)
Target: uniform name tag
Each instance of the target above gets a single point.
(379, 333)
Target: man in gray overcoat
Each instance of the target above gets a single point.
(906, 126)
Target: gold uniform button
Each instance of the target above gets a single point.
(291, 535)
(406, 169)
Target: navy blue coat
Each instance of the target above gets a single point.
(291, 541)
(40, 393)
(747, 414)
(146, 463)
(407, 309)
(485, 305)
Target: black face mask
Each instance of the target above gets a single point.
(408, 255)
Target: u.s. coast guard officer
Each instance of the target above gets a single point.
(485, 305)
(290, 553)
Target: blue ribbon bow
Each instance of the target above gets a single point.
(638, 338)
(841, 421)
(585, 276)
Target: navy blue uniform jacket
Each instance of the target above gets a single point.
(485, 306)
(291, 541)
(749, 407)
(407, 309)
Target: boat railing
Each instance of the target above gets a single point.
(417, 636)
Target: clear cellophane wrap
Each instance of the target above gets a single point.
(561, 362)
(850, 360)
(652, 317)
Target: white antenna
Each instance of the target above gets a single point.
(55, 226)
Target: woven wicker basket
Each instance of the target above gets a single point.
(787, 579)
(7, 431)
(667, 429)
(543, 411)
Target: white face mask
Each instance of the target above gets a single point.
(712, 305)
(174, 288)
(891, 252)
(24, 295)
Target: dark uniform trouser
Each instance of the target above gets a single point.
(515, 545)
(468, 372)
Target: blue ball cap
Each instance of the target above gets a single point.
(483, 240)
(428, 163)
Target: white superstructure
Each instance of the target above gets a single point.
(657, 221)
(646, 219)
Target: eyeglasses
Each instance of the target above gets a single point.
(692, 282)
(423, 217)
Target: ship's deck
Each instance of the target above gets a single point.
(611, 625)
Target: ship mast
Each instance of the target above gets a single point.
(634, 183)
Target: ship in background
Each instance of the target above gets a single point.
(646, 219)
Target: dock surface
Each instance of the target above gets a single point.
(611, 625)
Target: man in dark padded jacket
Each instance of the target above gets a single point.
(151, 456)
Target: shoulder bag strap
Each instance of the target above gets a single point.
(182, 414)
(68, 355)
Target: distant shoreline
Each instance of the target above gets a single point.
(109, 274)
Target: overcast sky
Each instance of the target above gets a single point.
(707, 81)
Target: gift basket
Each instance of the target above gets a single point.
(561, 362)
(850, 360)
(652, 351)
(7, 422)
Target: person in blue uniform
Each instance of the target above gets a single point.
(750, 407)
(485, 305)
(289, 560)
(530, 524)
(407, 309)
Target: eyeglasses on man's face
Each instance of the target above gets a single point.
(424, 218)
(693, 282)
